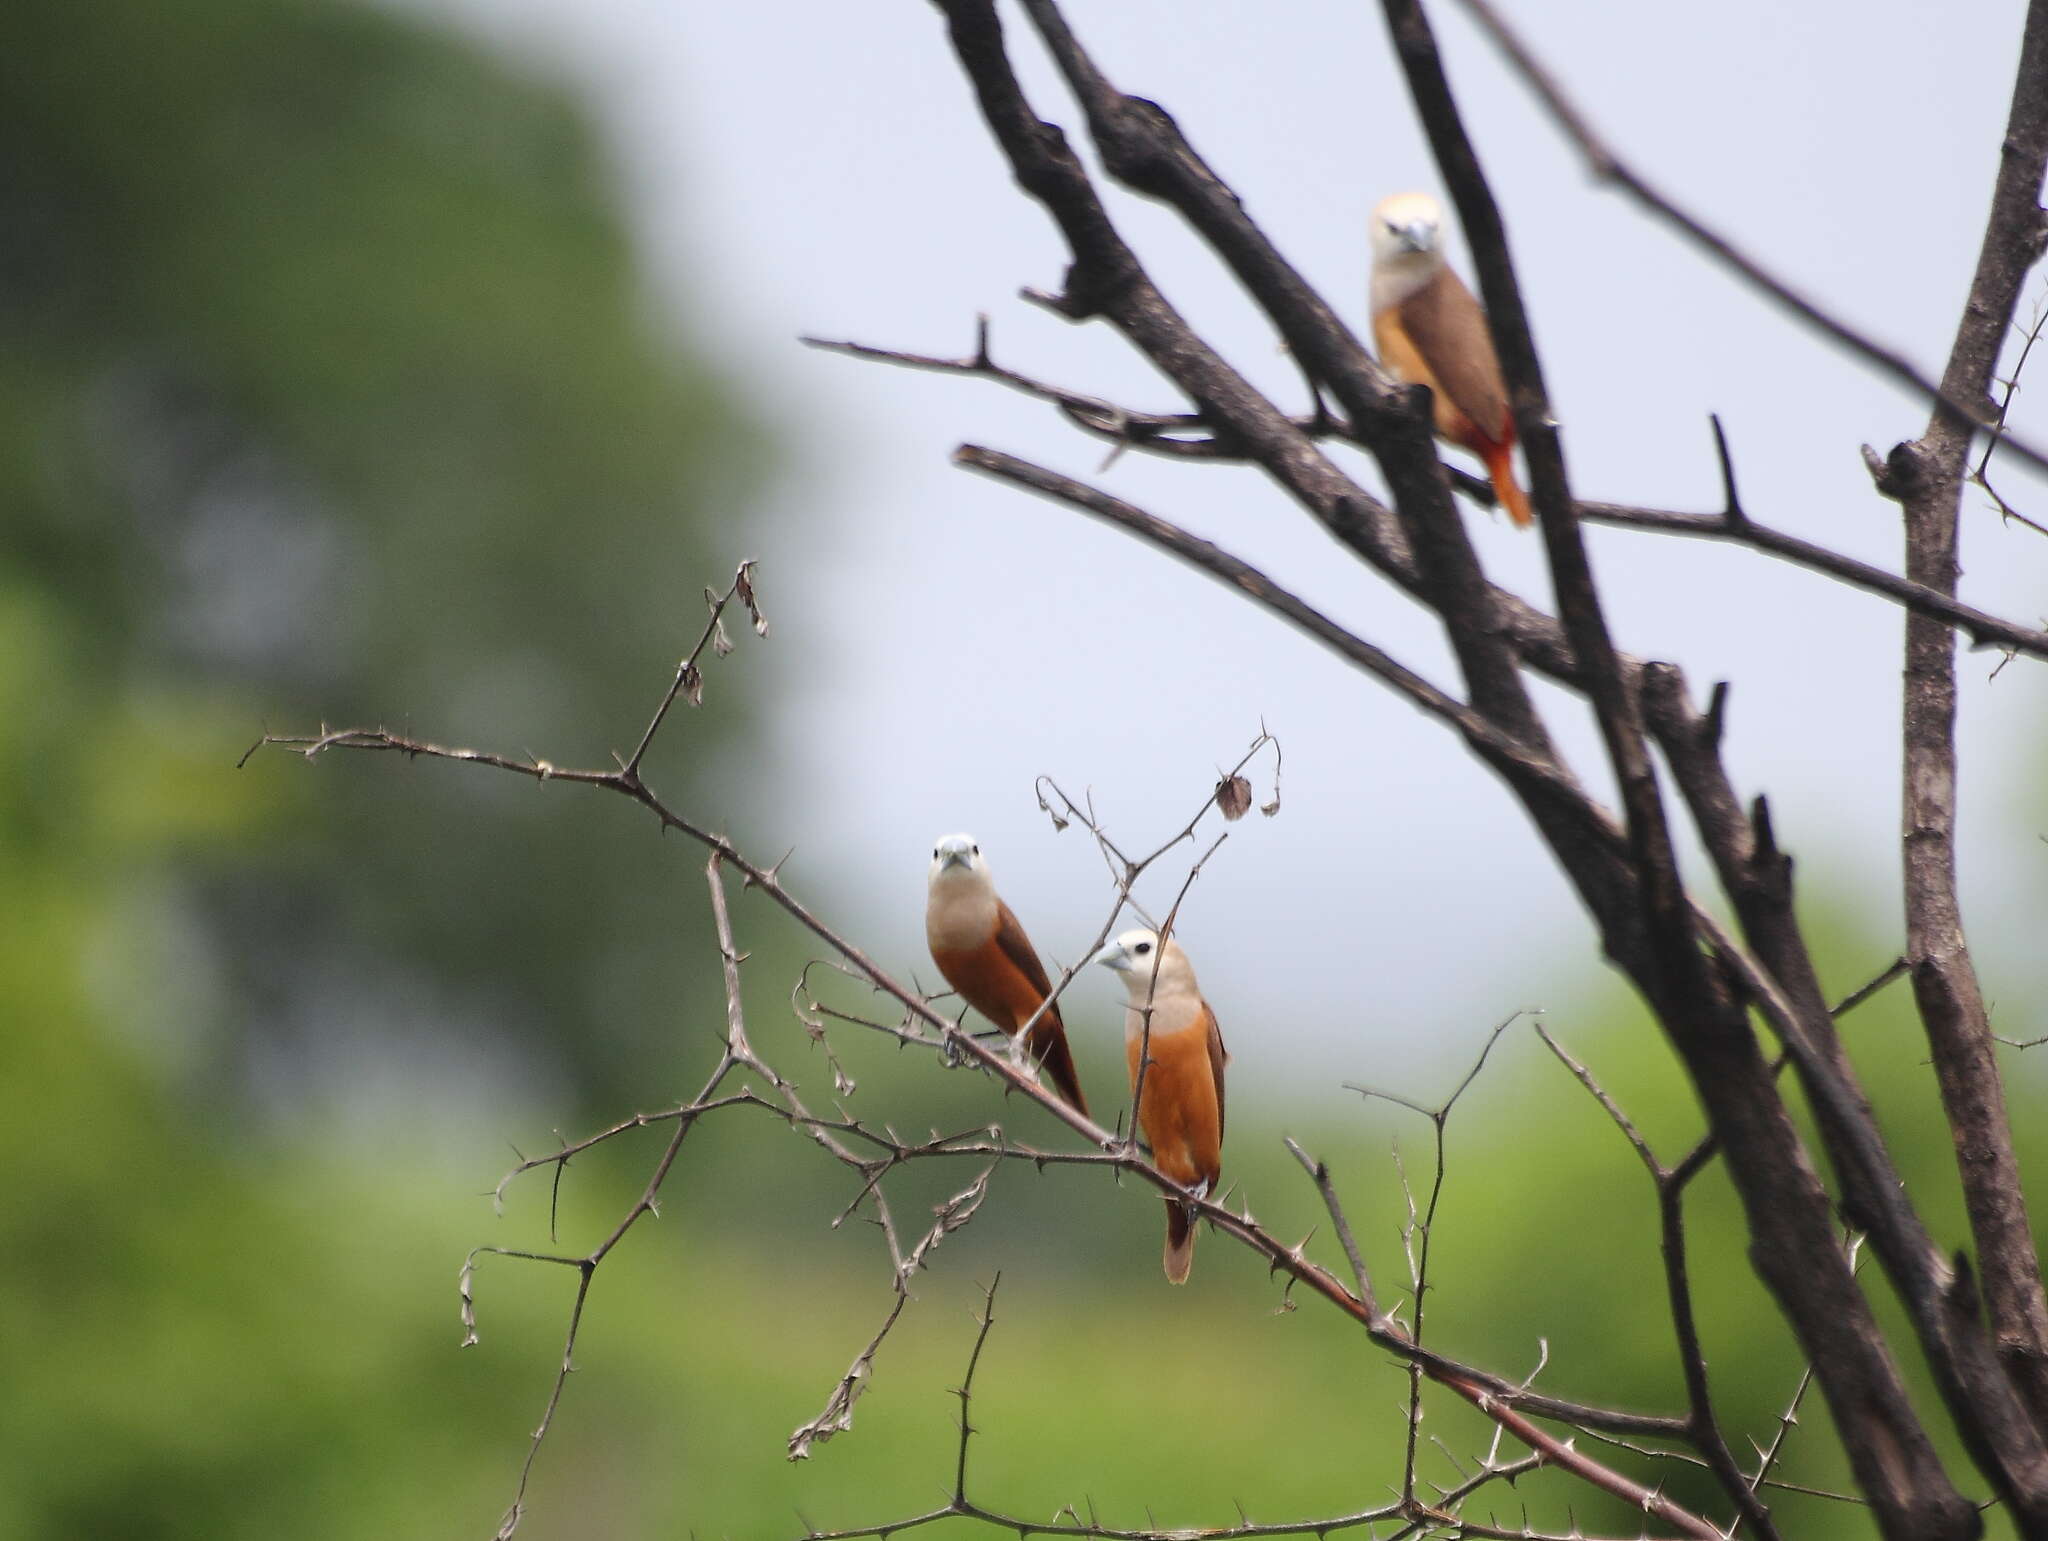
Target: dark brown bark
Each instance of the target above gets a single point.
(1927, 477)
(1784, 1200)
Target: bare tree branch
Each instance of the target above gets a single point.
(1187, 435)
(1319, 1174)
(1980, 627)
(1646, 928)
(1670, 1185)
(1927, 477)
(1488, 740)
(586, 1267)
(1167, 433)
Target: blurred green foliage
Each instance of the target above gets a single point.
(328, 384)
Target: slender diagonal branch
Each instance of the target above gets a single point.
(1980, 627)
(1188, 435)
(586, 1267)
(1514, 760)
(1319, 1174)
(1981, 476)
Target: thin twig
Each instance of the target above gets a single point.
(1704, 1426)
(1980, 477)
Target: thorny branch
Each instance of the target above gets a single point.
(1670, 1183)
(1509, 1404)
(1418, 1231)
(1124, 872)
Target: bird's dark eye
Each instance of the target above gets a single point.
(1142, 948)
(935, 853)
(977, 850)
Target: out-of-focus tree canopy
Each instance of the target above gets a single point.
(328, 384)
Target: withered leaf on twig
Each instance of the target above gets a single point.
(744, 582)
(1234, 797)
(1058, 823)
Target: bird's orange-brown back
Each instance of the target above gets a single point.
(1399, 354)
(1444, 326)
(1182, 1108)
(1441, 322)
(1438, 337)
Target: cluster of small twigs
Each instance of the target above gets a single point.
(1982, 1330)
(872, 1153)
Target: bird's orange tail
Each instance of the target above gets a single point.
(1048, 1045)
(1500, 465)
(1180, 1244)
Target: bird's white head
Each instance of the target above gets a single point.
(1138, 956)
(1407, 226)
(955, 857)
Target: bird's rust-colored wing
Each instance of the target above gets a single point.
(1448, 330)
(1407, 365)
(1401, 354)
(1016, 946)
(1218, 1058)
(1048, 1040)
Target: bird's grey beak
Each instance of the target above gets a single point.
(954, 859)
(1115, 956)
(1419, 236)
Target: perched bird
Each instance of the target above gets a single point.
(1181, 1106)
(985, 955)
(1430, 331)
